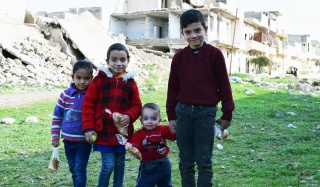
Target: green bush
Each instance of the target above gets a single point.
(261, 61)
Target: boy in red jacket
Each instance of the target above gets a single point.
(155, 168)
(114, 89)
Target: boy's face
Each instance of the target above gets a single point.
(150, 119)
(117, 62)
(194, 34)
(82, 78)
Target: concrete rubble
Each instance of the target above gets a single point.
(88, 36)
(42, 52)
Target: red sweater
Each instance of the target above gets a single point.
(199, 79)
(118, 95)
(152, 144)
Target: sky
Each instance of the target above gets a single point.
(298, 16)
(63, 5)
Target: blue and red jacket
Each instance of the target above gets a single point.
(67, 117)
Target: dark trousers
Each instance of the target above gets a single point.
(78, 155)
(195, 138)
(155, 172)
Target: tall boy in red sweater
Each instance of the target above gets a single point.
(198, 81)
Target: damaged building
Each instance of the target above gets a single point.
(41, 49)
(154, 24)
(148, 25)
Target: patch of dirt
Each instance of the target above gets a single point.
(27, 97)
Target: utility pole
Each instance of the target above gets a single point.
(234, 32)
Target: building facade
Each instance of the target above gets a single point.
(241, 36)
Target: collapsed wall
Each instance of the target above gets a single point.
(34, 61)
(43, 53)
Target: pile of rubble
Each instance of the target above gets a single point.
(53, 68)
(46, 65)
(44, 57)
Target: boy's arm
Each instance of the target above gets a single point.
(224, 86)
(88, 107)
(57, 120)
(136, 140)
(173, 90)
(166, 133)
(173, 126)
(135, 104)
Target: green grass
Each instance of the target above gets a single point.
(259, 151)
(284, 80)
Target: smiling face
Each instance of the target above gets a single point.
(82, 78)
(150, 119)
(194, 34)
(118, 62)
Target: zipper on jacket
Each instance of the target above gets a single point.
(79, 97)
(115, 96)
(114, 101)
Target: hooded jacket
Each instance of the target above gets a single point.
(118, 94)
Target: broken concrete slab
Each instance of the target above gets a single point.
(11, 34)
(89, 36)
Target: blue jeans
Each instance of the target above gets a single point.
(112, 162)
(195, 139)
(78, 155)
(155, 173)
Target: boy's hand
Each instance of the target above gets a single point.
(125, 120)
(172, 126)
(133, 150)
(224, 124)
(55, 143)
(89, 135)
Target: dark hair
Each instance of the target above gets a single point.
(118, 47)
(82, 64)
(152, 106)
(191, 16)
